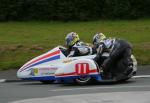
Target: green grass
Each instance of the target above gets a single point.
(21, 41)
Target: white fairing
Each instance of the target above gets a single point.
(46, 64)
(77, 67)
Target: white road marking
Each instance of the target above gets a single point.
(2, 80)
(141, 76)
(101, 87)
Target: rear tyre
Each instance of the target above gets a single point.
(47, 81)
(83, 80)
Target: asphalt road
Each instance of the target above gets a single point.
(135, 90)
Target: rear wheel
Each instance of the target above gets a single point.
(83, 80)
(47, 81)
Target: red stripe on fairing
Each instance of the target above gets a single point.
(74, 73)
(45, 56)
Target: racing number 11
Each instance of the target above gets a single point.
(82, 68)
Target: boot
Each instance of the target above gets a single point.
(129, 70)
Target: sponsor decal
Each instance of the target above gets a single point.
(67, 61)
(47, 69)
(44, 71)
(36, 71)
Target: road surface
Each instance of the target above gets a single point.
(136, 90)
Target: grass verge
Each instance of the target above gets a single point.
(21, 41)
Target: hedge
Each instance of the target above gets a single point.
(73, 9)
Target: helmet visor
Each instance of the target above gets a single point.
(69, 42)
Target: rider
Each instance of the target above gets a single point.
(120, 55)
(77, 47)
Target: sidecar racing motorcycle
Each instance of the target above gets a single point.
(56, 66)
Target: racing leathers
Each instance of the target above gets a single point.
(81, 49)
(119, 60)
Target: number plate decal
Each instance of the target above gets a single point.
(82, 68)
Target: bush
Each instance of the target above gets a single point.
(73, 9)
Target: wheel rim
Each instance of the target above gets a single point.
(83, 79)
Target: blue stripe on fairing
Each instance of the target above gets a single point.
(41, 78)
(70, 79)
(44, 61)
